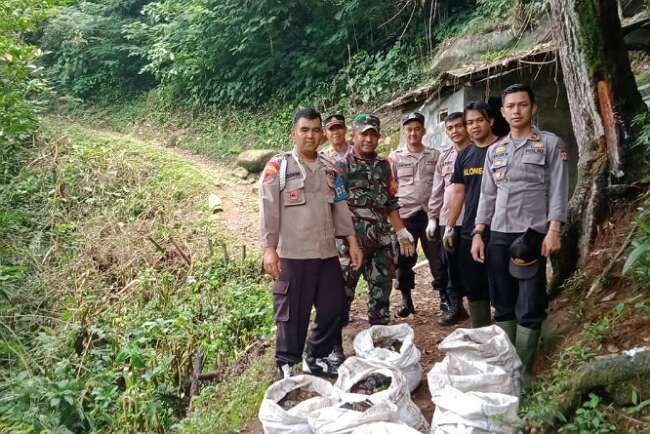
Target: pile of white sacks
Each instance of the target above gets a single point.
(475, 388)
(386, 411)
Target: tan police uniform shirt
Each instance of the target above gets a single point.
(303, 220)
(442, 188)
(335, 156)
(524, 185)
(414, 175)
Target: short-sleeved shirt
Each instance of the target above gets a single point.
(468, 170)
(302, 220)
(414, 174)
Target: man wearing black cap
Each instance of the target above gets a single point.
(335, 131)
(524, 198)
(414, 167)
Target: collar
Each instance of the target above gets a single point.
(416, 155)
(534, 135)
(358, 156)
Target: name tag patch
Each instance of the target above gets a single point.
(294, 196)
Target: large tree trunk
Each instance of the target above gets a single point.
(603, 99)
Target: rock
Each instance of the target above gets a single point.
(254, 160)
(214, 203)
(176, 137)
(240, 172)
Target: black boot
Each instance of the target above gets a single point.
(453, 313)
(337, 357)
(407, 304)
(445, 302)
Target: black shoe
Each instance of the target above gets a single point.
(319, 366)
(445, 302)
(407, 304)
(337, 357)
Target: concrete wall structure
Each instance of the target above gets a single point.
(553, 114)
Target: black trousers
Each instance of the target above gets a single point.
(416, 225)
(474, 275)
(451, 276)
(522, 300)
(304, 283)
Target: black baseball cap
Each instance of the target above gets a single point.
(365, 122)
(413, 116)
(525, 254)
(333, 120)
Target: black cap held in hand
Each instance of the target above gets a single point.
(525, 253)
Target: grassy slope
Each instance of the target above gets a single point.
(98, 324)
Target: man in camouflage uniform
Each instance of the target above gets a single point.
(372, 201)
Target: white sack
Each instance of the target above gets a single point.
(337, 420)
(469, 376)
(276, 420)
(407, 360)
(355, 369)
(475, 413)
(488, 345)
(385, 428)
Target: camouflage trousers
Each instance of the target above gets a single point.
(378, 270)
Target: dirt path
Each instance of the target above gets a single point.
(240, 207)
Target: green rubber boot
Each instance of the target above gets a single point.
(479, 312)
(526, 345)
(510, 327)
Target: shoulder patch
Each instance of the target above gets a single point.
(271, 170)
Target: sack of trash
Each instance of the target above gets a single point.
(288, 403)
(469, 376)
(385, 428)
(359, 377)
(475, 413)
(488, 345)
(351, 413)
(476, 386)
(393, 345)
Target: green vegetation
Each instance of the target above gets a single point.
(541, 401)
(638, 261)
(222, 53)
(216, 133)
(590, 419)
(227, 407)
(110, 284)
(21, 86)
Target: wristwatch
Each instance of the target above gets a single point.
(477, 232)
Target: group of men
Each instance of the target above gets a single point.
(486, 211)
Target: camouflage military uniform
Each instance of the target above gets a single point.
(371, 189)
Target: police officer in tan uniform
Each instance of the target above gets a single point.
(302, 210)
(524, 197)
(335, 131)
(438, 212)
(413, 168)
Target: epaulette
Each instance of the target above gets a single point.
(445, 152)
